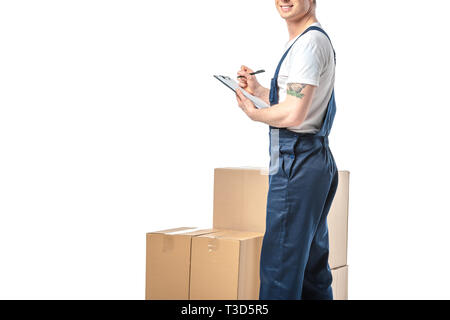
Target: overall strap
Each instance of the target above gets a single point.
(287, 51)
(323, 31)
(331, 109)
(307, 30)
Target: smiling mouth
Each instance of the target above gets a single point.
(286, 7)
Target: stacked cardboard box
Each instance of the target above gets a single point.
(225, 265)
(169, 263)
(223, 262)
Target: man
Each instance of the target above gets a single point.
(294, 256)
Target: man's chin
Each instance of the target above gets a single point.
(288, 18)
(291, 17)
(286, 15)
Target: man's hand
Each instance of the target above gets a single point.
(246, 104)
(248, 82)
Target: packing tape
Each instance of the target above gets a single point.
(213, 244)
(183, 231)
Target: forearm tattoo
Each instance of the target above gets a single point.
(295, 89)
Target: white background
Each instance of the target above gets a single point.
(103, 140)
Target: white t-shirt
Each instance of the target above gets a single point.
(310, 61)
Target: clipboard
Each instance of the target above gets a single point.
(233, 85)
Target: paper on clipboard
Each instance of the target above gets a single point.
(233, 85)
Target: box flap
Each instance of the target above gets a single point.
(233, 235)
(262, 170)
(174, 230)
(190, 231)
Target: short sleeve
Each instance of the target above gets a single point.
(306, 63)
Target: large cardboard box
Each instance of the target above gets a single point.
(340, 283)
(338, 223)
(240, 199)
(225, 266)
(169, 262)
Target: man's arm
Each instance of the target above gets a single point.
(290, 113)
(263, 94)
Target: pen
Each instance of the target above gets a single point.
(253, 73)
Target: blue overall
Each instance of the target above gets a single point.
(294, 255)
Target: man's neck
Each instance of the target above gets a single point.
(295, 28)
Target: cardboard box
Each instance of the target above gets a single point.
(338, 223)
(225, 266)
(169, 262)
(340, 283)
(240, 200)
